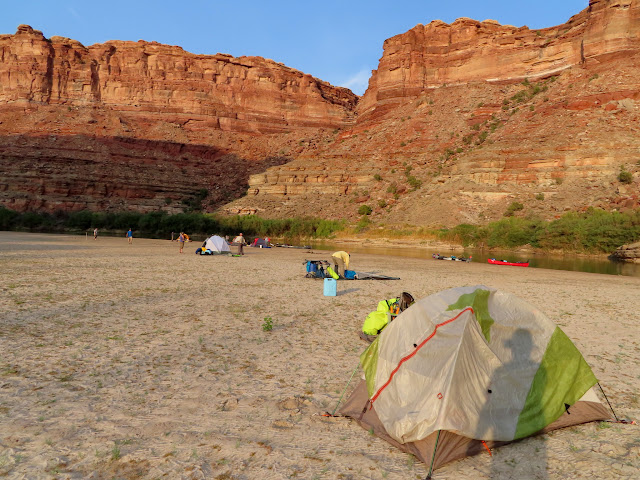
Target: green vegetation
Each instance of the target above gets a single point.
(625, 176)
(514, 207)
(364, 210)
(160, 224)
(377, 177)
(267, 325)
(593, 231)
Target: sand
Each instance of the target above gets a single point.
(121, 361)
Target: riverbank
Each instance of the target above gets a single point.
(134, 361)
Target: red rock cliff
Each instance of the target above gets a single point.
(233, 94)
(429, 56)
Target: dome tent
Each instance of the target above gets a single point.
(216, 244)
(469, 368)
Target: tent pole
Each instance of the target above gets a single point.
(433, 458)
(605, 396)
(345, 389)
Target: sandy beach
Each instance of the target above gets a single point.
(136, 362)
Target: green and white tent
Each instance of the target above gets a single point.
(467, 368)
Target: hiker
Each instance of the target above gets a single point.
(130, 236)
(340, 261)
(386, 312)
(95, 233)
(241, 242)
(181, 241)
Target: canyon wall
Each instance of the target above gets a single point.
(429, 56)
(220, 91)
(140, 125)
(459, 123)
(462, 120)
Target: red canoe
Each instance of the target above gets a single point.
(493, 261)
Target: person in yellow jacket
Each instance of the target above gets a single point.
(340, 262)
(387, 311)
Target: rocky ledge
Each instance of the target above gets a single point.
(627, 253)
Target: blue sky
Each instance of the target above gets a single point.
(337, 41)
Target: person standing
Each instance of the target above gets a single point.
(181, 241)
(130, 237)
(241, 242)
(95, 233)
(340, 261)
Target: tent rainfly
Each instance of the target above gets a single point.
(467, 369)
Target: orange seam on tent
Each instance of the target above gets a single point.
(373, 399)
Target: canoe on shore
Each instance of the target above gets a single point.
(452, 258)
(493, 261)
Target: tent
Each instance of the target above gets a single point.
(216, 244)
(261, 243)
(467, 369)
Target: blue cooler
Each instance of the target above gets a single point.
(330, 287)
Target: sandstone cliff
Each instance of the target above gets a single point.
(106, 126)
(437, 54)
(219, 91)
(462, 120)
(459, 122)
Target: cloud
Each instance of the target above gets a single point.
(358, 83)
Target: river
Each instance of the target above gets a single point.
(576, 263)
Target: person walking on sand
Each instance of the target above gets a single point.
(340, 261)
(95, 233)
(181, 241)
(241, 242)
(130, 237)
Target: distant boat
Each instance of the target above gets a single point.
(452, 258)
(284, 245)
(493, 261)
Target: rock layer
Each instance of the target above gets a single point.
(461, 120)
(628, 253)
(219, 91)
(429, 56)
(117, 125)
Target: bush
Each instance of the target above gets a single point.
(7, 218)
(364, 210)
(625, 176)
(514, 207)
(414, 182)
(540, 196)
(377, 177)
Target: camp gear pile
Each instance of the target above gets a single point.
(321, 269)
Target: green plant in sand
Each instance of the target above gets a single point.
(267, 325)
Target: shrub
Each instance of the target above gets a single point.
(625, 176)
(414, 182)
(267, 325)
(377, 177)
(382, 203)
(514, 207)
(540, 196)
(364, 210)
(362, 224)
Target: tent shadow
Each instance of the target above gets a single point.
(349, 290)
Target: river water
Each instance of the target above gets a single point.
(575, 263)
